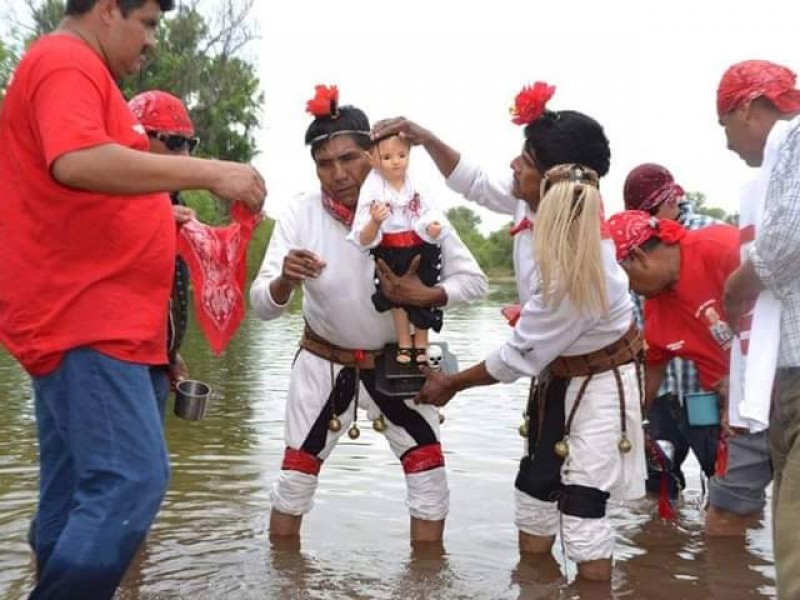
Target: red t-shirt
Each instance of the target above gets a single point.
(77, 268)
(688, 321)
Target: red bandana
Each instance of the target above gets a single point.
(632, 228)
(751, 79)
(512, 313)
(525, 223)
(340, 212)
(217, 259)
(649, 186)
(160, 111)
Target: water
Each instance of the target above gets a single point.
(210, 540)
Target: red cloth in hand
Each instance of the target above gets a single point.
(511, 313)
(217, 260)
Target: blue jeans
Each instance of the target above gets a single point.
(104, 470)
(161, 388)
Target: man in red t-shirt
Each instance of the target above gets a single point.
(88, 244)
(682, 276)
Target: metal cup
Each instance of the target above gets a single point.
(191, 399)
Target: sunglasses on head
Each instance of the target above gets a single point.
(175, 142)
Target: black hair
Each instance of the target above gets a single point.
(80, 7)
(568, 136)
(349, 118)
(651, 244)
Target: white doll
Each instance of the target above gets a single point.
(396, 224)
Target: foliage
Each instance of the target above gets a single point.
(8, 60)
(199, 60)
(698, 199)
(494, 254)
(45, 16)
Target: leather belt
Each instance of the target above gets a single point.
(626, 349)
(319, 346)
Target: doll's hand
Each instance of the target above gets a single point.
(434, 229)
(379, 211)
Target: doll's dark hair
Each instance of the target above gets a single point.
(348, 120)
(567, 136)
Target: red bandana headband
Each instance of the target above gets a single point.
(751, 79)
(531, 103)
(160, 111)
(633, 228)
(648, 186)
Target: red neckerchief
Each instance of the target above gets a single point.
(340, 212)
(217, 260)
(524, 224)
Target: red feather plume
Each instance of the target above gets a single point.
(531, 102)
(325, 101)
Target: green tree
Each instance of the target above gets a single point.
(499, 253)
(8, 60)
(698, 199)
(465, 222)
(494, 254)
(45, 16)
(199, 60)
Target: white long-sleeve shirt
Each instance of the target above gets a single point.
(338, 305)
(404, 215)
(543, 333)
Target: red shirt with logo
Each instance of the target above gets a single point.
(688, 321)
(77, 268)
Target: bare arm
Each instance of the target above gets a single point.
(445, 157)
(369, 233)
(115, 169)
(653, 376)
(440, 388)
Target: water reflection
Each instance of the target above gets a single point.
(210, 540)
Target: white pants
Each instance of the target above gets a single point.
(414, 440)
(594, 461)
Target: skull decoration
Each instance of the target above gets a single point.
(435, 357)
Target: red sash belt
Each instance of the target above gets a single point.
(401, 239)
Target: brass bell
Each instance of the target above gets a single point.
(334, 424)
(441, 418)
(379, 424)
(624, 445)
(353, 432)
(523, 428)
(561, 448)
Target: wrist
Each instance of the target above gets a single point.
(456, 383)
